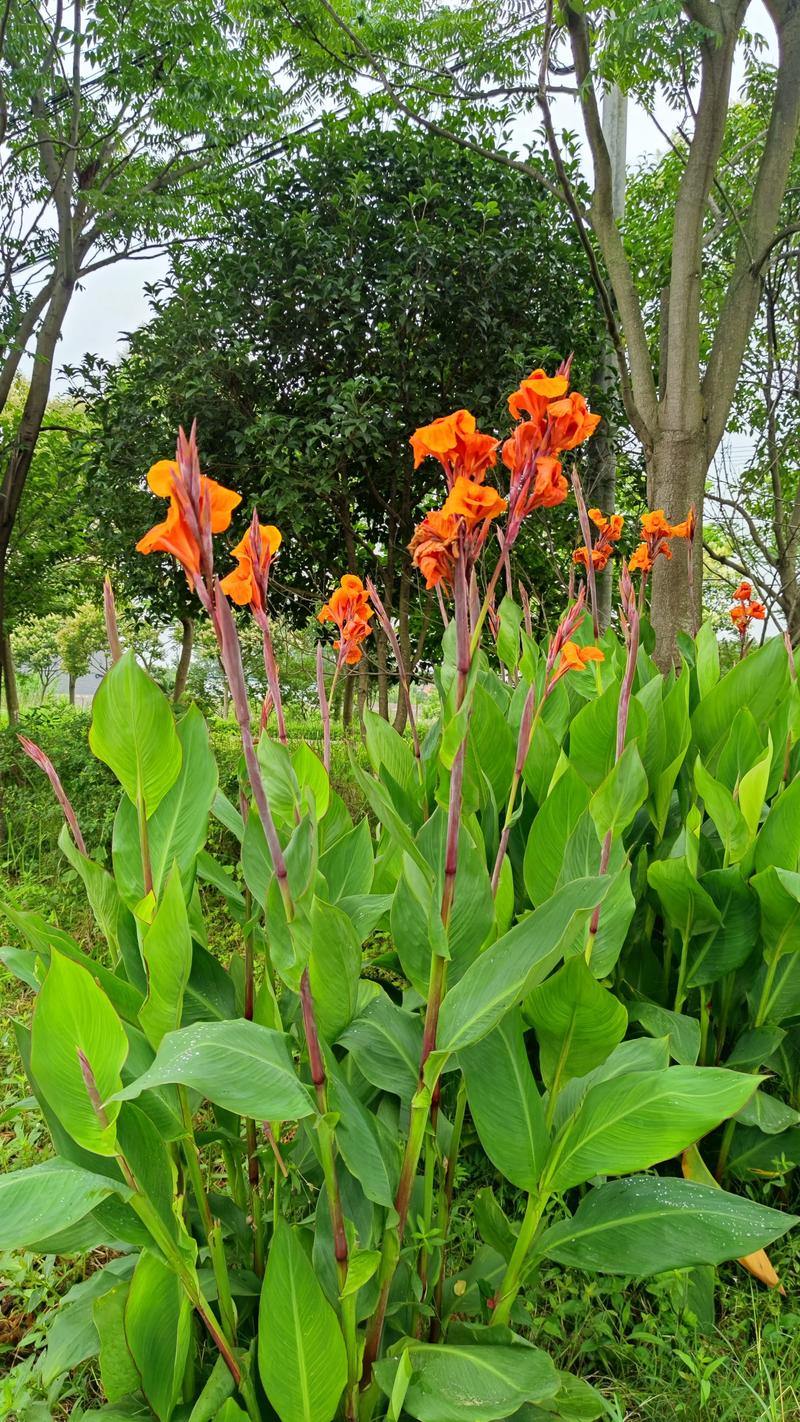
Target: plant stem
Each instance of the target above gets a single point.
(447, 1204)
(325, 1136)
(769, 981)
(591, 581)
(680, 991)
(210, 1227)
(144, 845)
(427, 1221)
(512, 1279)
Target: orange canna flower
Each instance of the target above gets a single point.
(348, 645)
(549, 485)
(600, 556)
(460, 448)
(610, 533)
(177, 534)
(350, 608)
(473, 502)
(657, 531)
(575, 658)
(245, 583)
(534, 394)
(758, 611)
(434, 547)
(656, 525)
(571, 422)
(744, 612)
(173, 536)
(162, 475)
(744, 592)
(640, 560)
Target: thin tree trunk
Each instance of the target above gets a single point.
(71, 689)
(347, 696)
(21, 456)
(363, 692)
(182, 673)
(381, 660)
(677, 474)
(601, 481)
(9, 680)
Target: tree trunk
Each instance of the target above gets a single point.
(9, 678)
(381, 660)
(601, 481)
(363, 692)
(677, 475)
(182, 673)
(347, 695)
(71, 689)
(21, 456)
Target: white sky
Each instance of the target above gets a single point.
(113, 301)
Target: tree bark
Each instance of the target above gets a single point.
(21, 456)
(382, 663)
(9, 678)
(677, 472)
(182, 673)
(71, 688)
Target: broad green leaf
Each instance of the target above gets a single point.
(386, 748)
(359, 1141)
(133, 732)
(492, 747)
(167, 954)
(361, 1266)
(416, 907)
(779, 895)
(514, 965)
(624, 790)
(177, 829)
(74, 1021)
(682, 1032)
(101, 890)
(509, 615)
(504, 1103)
(280, 782)
(72, 1335)
(753, 789)
(706, 658)
(349, 865)
(238, 1065)
(638, 1054)
(768, 1113)
(216, 1391)
(647, 1225)
(301, 1353)
(578, 1023)
(582, 859)
(47, 1198)
(43, 937)
(550, 831)
(687, 907)
(154, 1169)
(759, 682)
(382, 806)
(729, 943)
(633, 1122)
(470, 1384)
(334, 968)
(158, 1330)
(778, 843)
(677, 737)
(312, 777)
(118, 1372)
(730, 823)
(385, 1042)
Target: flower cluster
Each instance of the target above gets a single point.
(350, 609)
(745, 611)
(610, 532)
(657, 532)
(248, 583)
(198, 507)
(550, 422)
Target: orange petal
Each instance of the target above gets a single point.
(161, 477)
(223, 502)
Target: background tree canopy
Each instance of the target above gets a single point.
(377, 280)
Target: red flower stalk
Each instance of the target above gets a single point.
(44, 763)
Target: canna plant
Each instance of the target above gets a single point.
(270, 1148)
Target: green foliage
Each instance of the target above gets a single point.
(254, 1129)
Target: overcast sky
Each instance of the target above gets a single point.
(113, 301)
